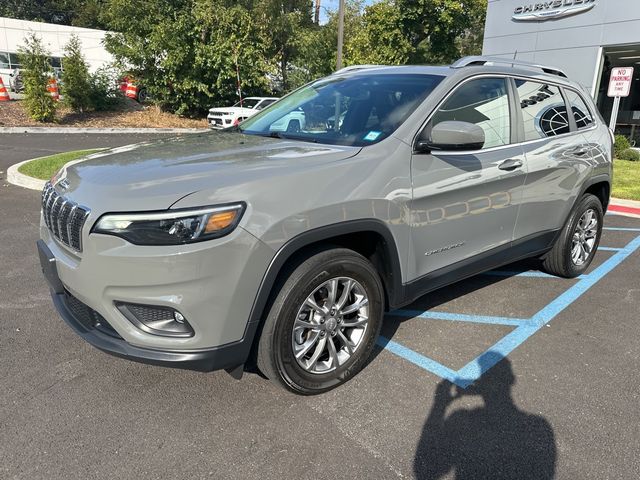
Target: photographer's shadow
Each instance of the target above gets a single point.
(495, 441)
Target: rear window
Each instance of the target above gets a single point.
(581, 112)
(544, 112)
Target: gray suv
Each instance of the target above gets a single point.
(283, 243)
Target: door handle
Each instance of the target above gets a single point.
(510, 164)
(579, 151)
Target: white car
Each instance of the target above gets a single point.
(225, 117)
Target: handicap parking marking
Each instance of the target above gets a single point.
(525, 328)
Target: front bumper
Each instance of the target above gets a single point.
(226, 356)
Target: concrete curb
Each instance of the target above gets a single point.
(21, 180)
(60, 130)
(626, 208)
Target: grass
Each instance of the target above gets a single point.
(626, 179)
(44, 168)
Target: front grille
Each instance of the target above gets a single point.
(63, 217)
(88, 316)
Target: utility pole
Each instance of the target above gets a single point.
(316, 17)
(340, 36)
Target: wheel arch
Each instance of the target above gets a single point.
(369, 237)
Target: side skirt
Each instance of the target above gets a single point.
(530, 246)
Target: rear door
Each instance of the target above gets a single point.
(556, 154)
(466, 203)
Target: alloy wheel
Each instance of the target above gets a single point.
(584, 237)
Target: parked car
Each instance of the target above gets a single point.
(210, 251)
(225, 117)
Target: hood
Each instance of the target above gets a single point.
(155, 175)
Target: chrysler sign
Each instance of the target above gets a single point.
(553, 9)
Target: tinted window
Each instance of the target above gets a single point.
(15, 61)
(264, 104)
(4, 60)
(484, 102)
(359, 109)
(544, 112)
(581, 112)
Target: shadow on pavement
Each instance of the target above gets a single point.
(495, 441)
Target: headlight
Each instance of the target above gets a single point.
(172, 227)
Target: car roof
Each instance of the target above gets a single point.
(469, 66)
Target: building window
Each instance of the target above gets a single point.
(581, 112)
(544, 113)
(484, 102)
(4, 60)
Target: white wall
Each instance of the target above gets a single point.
(55, 37)
(571, 43)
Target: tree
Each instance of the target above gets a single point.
(189, 53)
(76, 84)
(80, 13)
(36, 72)
(380, 38)
(439, 31)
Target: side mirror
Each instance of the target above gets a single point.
(452, 135)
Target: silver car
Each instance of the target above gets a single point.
(285, 248)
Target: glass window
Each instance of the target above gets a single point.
(544, 112)
(264, 104)
(15, 61)
(55, 62)
(4, 60)
(581, 112)
(358, 110)
(484, 102)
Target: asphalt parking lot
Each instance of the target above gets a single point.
(512, 374)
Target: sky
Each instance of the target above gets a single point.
(328, 5)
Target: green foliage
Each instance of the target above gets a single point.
(379, 38)
(629, 154)
(621, 143)
(80, 13)
(75, 87)
(104, 93)
(35, 73)
(190, 53)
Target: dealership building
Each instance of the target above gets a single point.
(585, 38)
(54, 38)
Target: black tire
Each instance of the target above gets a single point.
(293, 126)
(142, 95)
(559, 260)
(275, 356)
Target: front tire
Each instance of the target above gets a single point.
(576, 246)
(323, 324)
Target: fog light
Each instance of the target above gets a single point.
(156, 320)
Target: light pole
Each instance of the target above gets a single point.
(340, 35)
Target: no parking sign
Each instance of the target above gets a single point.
(619, 86)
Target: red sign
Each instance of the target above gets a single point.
(620, 82)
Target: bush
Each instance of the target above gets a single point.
(75, 86)
(629, 154)
(104, 91)
(621, 143)
(36, 72)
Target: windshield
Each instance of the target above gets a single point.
(357, 110)
(248, 103)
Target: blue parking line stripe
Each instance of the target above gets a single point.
(417, 359)
(587, 281)
(515, 273)
(458, 317)
(471, 372)
(609, 249)
(621, 229)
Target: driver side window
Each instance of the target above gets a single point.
(484, 102)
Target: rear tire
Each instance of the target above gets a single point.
(323, 324)
(576, 246)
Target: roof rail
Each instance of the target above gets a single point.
(353, 68)
(486, 60)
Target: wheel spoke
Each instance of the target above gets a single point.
(361, 301)
(311, 302)
(333, 354)
(575, 253)
(361, 322)
(349, 345)
(308, 345)
(332, 287)
(345, 294)
(317, 352)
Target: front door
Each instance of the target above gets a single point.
(466, 203)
